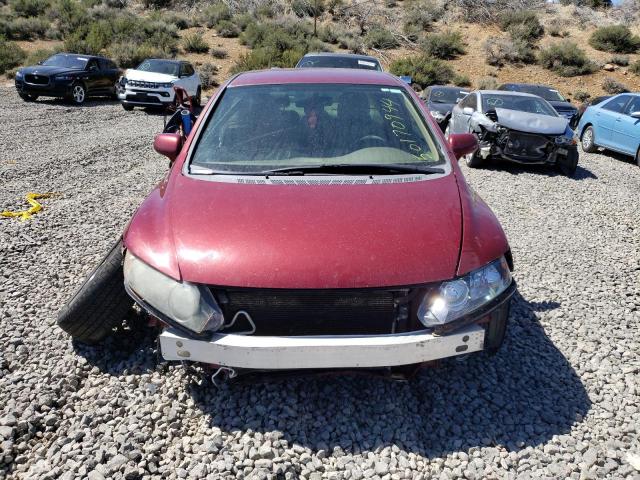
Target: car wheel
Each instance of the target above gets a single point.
(569, 164)
(474, 160)
(78, 94)
(100, 304)
(588, 140)
(197, 100)
(128, 108)
(28, 97)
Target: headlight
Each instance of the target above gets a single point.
(456, 298)
(165, 85)
(190, 305)
(438, 117)
(19, 74)
(63, 77)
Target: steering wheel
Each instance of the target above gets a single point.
(371, 138)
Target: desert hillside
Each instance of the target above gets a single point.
(444, 41)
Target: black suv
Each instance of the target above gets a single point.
(551, 95)
(70, 76)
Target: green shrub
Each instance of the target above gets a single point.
(215, 14)
(11, 55)
(24, 28)
(635, 67)
(500, 51)
(194, 43)
(461, 81)
(69, 14)
(307, 8)
(208, 72)
(615, 39)
(227, 29)
(487, 83)
(156, 3)
(581, 96)
(419, 15)
(381, 38)
(243, 21)
(29, 8)
(179, 20)
(446, 45)
(556, 28)
(566, 59)
(127, 55)
(423, 70)
(621, 60)
(521, 25)
(219, 53)
(613, 87)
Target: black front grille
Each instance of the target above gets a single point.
(311, 312)
(36, 79)
(141, 84)
(526, 146)
(143, 97)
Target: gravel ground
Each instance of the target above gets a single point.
(560, 400)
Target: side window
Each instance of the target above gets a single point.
(92, 65)
(469, 101)
(633, 106)
(617, 104)
(111, 65)
(188, 69)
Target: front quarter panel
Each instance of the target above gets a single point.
(483, 239)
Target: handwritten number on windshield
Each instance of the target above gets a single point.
(399, 129)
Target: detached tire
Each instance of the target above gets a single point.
(100, 304)
(474, 160)
(568, 166)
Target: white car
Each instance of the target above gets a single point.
(151, 83)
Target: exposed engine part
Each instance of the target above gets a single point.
(233, 321)
(222, 375)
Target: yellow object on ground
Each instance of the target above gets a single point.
(35, 206)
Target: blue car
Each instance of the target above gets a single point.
(614, 125)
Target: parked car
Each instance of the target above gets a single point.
(551, 95)
(588, 103)
(613, 124)
(151, 83)
(518, 127)
(339, 60)
(313, 219)
(68, 75)
(440, 100)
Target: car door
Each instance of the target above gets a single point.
(605, 118)
(626, 135)
(109, 74)
(92, 76)
(459, 119)
(188, 79)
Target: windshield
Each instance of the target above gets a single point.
(258, 128)
(323, 61)
(66, 61)
(549, 94)
(159, 66)
(517, 102)
(446, 95)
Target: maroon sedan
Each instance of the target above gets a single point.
(313, 219)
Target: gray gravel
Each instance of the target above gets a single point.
(560, 400)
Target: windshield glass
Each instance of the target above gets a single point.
(258, 128)
(322, 61)
(159, 66)
(517, 102)
(549, 94)
(66, 61)
(446, 95)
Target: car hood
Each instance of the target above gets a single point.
(301, 236)
(531, 122)
(46, 70)
(562, 105)
(143, 76)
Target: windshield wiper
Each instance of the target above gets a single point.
(357, 168)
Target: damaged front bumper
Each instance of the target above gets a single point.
(528, 148)
(483, 330)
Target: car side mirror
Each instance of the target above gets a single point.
(462, 144)
(168, 144)
(93, 68)
(635, 115)
(467, 111)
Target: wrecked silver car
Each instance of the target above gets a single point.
(514, 126)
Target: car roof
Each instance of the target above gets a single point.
(506, 92)
(168, 60)
(277, 76)
(528, 85)
(345, 55)
(80, 55)
(447, 87)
